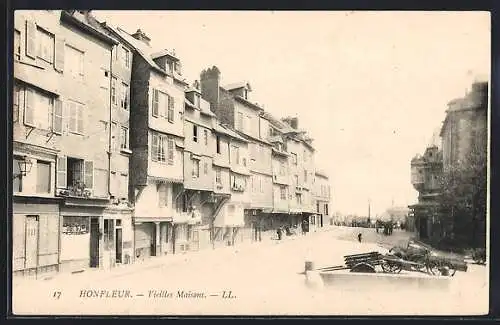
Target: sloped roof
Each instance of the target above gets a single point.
(88, 23)
(236, 85)
(227, 131)
(164, 52)
(144, 50)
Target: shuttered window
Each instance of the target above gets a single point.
(29, 108)
(57, 123)
(124, 96)
(75, 116)
(46, 45)
(89, 174)
(31, 32)
(61, 172)
(171, 148)
(171, 108)
(196, 167)
(74, 61)
(155, 102)
(59, 53)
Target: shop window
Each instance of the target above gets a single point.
(75, 225)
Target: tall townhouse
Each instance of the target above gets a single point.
(161, 214)
(232, 106)
(282, 193)
(230, 186)
(322, 197)
(62, 157)
(199, 179)
(299, 145)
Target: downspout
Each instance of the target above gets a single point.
(110, 119)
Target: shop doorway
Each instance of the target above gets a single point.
(94, 242)
(31, 246)
(153, 239)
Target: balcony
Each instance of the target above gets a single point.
(238, 188)
(76, 191)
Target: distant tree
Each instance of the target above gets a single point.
(463, 199)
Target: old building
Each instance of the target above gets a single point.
(233, 108)
(199, 179)
(464, 135)
(426, 173)
(322, 198)
(161, 213)
(301, 172)
(63, 63)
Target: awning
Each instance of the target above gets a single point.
(139, 220)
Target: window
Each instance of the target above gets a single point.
(205, 137)
(177, 67)
(197, 100)
(37, 109)
(17, 44)
(282, 168)
(195, 133)
(113, 90)
(294, 158)
(109, 233)
(326, 209)
(296, 179)
(171, 106)
(124, 102)
(74, 172)
(271, 131)
(75, 114)
(217, 140)
(124, 138)
(17, 183)
(73, 62)
(125, 57)
(305, 176)
(196, 168)
(45, 45)
(218, 176)
(104, 78)
(15, 103)
(282, 192)
(159, 145)
(43, 177)
(170, 66)
(240, 121)
(298, 197)
(205, 168)
(162, 195)
(236, 155)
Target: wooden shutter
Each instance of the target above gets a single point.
(170, 151)
(89, 174)
(61, 172)
(29, 108)
(79, 117)
(154, 147)
(155, 102)
(31, 39)
(57, 122)
(171, 108)
(59, 54)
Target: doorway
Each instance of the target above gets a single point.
(153, 239)
(94, 242)
(31, 245)
(118, 245)
(423, 231)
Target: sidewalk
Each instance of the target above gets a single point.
(160, 261)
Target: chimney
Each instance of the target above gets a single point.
(196, 84)
(141, 36)
(210, 83)
(294, 122)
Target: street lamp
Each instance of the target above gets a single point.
(24, 167)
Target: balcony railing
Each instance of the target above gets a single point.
(78, 190)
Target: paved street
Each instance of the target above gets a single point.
(263, 279)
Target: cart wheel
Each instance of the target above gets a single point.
(388, 267)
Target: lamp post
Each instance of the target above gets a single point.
(24, 168)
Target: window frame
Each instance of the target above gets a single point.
(48, 188)
(195, 173)
(195, 133)
(68, 48)
(49, 38)
(79, 110)
(124, 137)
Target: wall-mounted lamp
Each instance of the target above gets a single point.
(24, 167)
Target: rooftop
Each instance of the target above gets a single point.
(237, 85)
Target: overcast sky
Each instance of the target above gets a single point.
(370, 87)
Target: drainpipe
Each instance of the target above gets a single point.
(110, 119)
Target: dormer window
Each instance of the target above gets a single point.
(197, 100)
(170, 66)
(177, 67)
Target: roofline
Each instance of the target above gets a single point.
(254, 106)
(65, 16)
(322, 174)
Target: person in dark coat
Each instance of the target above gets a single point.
(280, 233)
(359, 237)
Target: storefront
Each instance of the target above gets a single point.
(118, 236)
(82, 234)
(35, 236)
(228, 223)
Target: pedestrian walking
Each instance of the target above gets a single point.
(279, 231)
(359, 237)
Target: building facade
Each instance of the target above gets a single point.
(64, 205)
(322, 198)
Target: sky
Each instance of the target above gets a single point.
(371, 88)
